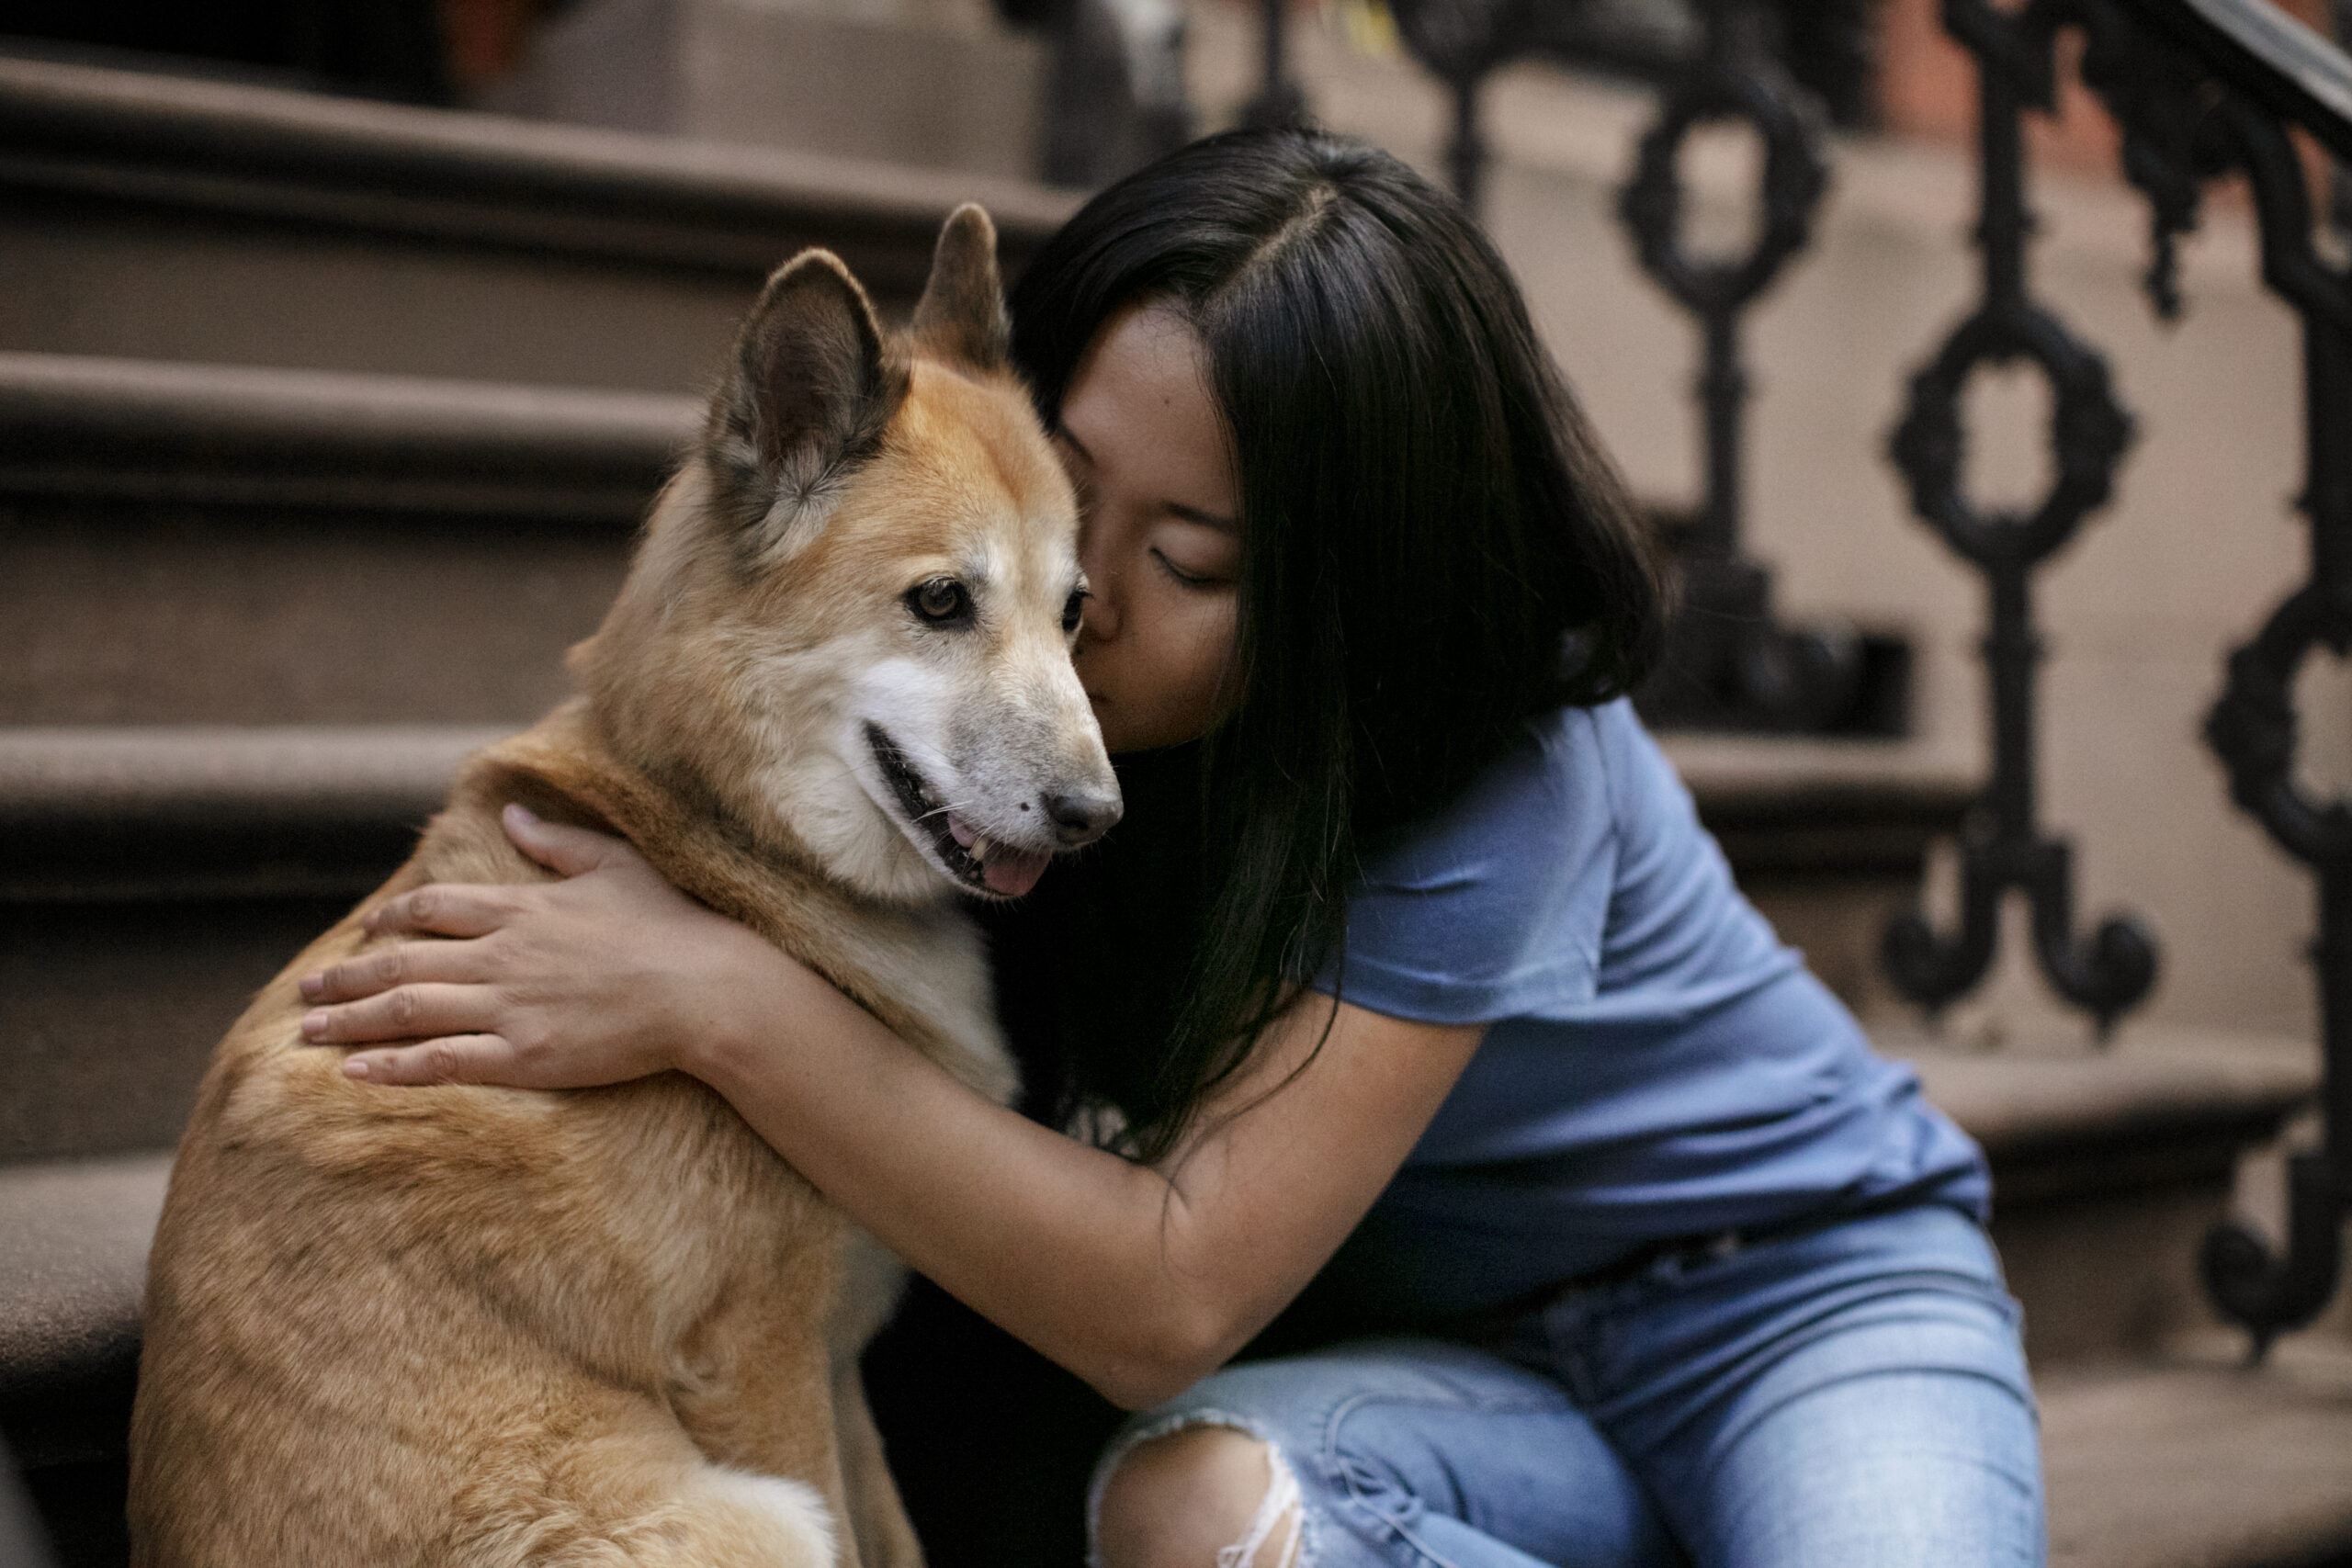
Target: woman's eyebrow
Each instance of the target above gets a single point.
(1177, 509)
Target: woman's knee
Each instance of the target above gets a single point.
(1205, 1497)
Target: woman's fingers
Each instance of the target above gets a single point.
(461, 1058)
(567, 850)
(405, 1012)
(444, 909)
(401, 964)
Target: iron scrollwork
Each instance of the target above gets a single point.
(1730, 661)
(2003, 847)
(2183, 123)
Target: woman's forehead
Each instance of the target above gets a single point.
(1148, 351)
(1141, 411)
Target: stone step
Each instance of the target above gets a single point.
(151, 880)
(157, 430)
(74, 1245)
(2192, 1460)
(930, 87)
(234, 545)
(1830, 838)
(2109, 1168)
(153, 876)
(2182, 1458)
(176, 217)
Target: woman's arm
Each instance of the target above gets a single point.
(1141, 1280)
(1138, 1278)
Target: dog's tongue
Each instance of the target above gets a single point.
(1012, 871)
(1007, 870)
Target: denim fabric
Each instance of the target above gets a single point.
(1848, 1397)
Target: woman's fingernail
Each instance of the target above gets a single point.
(519, 812)
(355, 1068)
(312, 986)
(314, 1024)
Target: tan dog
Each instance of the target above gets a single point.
(466, 1325)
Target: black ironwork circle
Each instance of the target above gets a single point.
(2253, 727)
(2088, 433)
(1795, 179)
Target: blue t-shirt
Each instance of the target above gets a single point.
(1657, 1064)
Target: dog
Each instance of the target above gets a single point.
(484, 1326)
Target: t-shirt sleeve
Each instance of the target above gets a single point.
(1495, 908)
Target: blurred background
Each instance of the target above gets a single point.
(343, 341)
(1069, 94)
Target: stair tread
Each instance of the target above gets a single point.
(2190, 1462)
(2042, 1095)
(2198, 1461)
(74, 1240)
(141, 761)
(178, 397)
(88, 426)
(109, 769)
(94, 114)
(2169, 1069)
(1776, 768)
(133, 813)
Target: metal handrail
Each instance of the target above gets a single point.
(2268, 55)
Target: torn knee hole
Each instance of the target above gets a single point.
(1276, 1528)
(1204, 1494)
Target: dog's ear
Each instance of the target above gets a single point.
(961, 314)
(805, 403)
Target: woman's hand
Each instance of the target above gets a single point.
(609, 975)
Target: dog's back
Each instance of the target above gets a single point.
(480, 1326)
(487, 1327)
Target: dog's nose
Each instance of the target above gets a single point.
(1080, 816)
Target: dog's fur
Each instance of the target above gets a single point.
(471, 1326)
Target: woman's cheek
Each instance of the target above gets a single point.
(1210, 661)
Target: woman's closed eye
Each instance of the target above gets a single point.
(1189, 579)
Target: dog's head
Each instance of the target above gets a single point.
(850, 622)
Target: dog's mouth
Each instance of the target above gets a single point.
(969, 856)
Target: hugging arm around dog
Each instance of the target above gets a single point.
(1409, 981)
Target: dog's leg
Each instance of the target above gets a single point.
(884, 1537)
(761, 1399)
(625, 1485)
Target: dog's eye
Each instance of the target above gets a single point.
(1072, 609)
(939, 600)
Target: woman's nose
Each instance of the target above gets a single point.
(1098, 615)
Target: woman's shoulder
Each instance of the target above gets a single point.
(1497, 901)
(1571, 773)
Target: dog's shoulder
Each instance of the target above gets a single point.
(922, 969)
(925, 973)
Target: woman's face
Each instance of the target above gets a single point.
(1160, 532)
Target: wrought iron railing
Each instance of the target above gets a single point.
(2200, 89)
(2005, 848)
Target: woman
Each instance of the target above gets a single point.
(1411, 975)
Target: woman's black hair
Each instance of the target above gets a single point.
(1434, 550)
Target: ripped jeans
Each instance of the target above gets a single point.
(1853, 1396)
